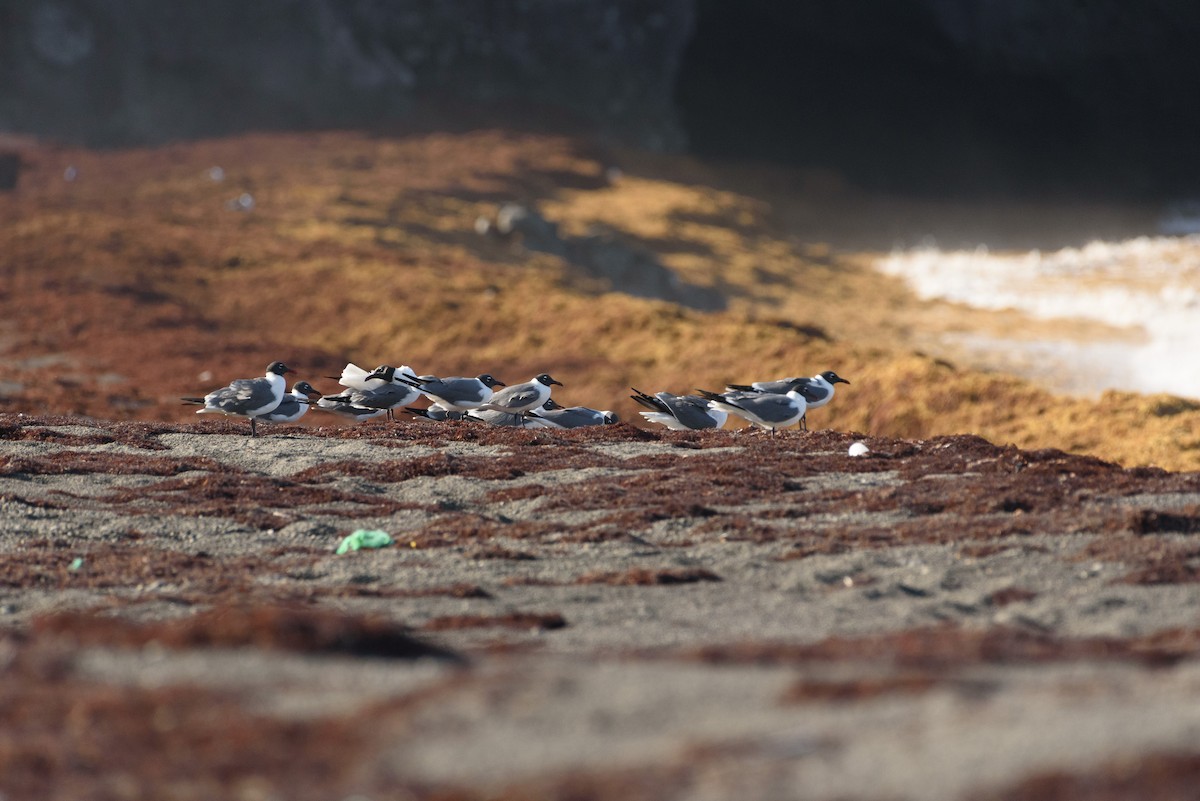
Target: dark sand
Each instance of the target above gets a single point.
(599, 614)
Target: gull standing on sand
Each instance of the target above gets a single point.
(247, 397)
(817, 391)
(393, 393)
(764, 409)
(457, 393)
(521, 398)
(293, 405)
(679, 412)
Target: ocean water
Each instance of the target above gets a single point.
(1147, 289)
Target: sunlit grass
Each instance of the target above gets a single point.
(365, 248)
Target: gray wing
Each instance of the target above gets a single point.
(287, 409)
(574, 417)
(497, 418)
(386, 397)
(353, 397)
(344, 406)
(769, 408)
(736, 398)
(438, 413)
(457, 390)
(515, 397)
(690, 410)
(243, 395)
(781, 386)
(812, 391)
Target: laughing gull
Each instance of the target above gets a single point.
(574, 416)
(393, 393)
(679, 412)
(247, 397)
(456, 393)
(764, 409)
(496, 417)
(294, 404)
(436, 414)
(521, 398)
(354, 377)
(345, 405)
(817, 391)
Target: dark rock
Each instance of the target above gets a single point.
(138, 71)
(10, 171)
(933, 95)
(952, 95)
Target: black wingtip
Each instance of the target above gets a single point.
(648, 401)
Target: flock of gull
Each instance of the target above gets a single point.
(367, 394)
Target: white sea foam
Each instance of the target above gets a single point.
(1150, 286)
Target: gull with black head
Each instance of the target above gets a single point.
(521, 398)
(247, 397)
(393, 393)
(572, 416)
(294, 404)
(817, 390)
(767, 410)
(457, 393)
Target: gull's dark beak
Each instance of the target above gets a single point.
(552, 381)
(841, 381)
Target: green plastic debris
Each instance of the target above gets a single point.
(76, 564)
(364, 538)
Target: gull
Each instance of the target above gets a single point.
(817, 391)
(496, 417)
(437, 414)
(391, 394)
(768, 410)
(456, 393)
(247, 397)
(354, 377)
(573, 416)
(679, 412)
(294, 404)
(347, 405)
(521, 398)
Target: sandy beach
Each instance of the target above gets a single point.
(605, 613)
